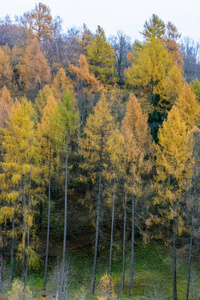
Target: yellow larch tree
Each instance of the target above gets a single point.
(19, 152)
(116, 170)
(158, 77)
(60, 83)
(174, 169)
(188, 107)
(46, 137)
(93, 145)
(41, 101)
(66, 125)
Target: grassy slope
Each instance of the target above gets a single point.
(152, 280)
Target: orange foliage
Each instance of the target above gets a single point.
(35, 69)
(6, 106)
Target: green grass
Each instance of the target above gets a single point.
(152, 277)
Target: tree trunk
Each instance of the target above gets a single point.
(1, 260)
(97, 223)
(151, 93)
(174, 259)
(191, 234)
(48, 229)
(28, 232)
(24, 228)
(112, 227)
(12, 250)
(65, 221)
(190, 255)
(132, 242)
(124, 244)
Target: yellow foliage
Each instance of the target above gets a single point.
(106, 288)
(188, 107)
(154, 69)
(97, 132)
(60, 83)
(18, 292)
(174, 167)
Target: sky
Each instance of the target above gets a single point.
(128, 16)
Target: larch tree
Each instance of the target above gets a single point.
(88, 88)
(46, 135)
(158, 77)
(41, 101)
(125, 161)
(174, 168)
(100, 56)
(195, 137)
(188, 107)
(35, 70)
(85, 39)
(138, 146)
(67, 128)
(116, 171)
(19, 151)
(5, 66)
(189, 111)
(195, 87)
(171, 39)
(60, 83)
(40, 23)
(93, 145)
(155, 28)
(6, 106)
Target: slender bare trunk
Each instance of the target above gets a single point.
(12, 250)
(28, 231)
(24, 228)
(124, 244)
(65, 221)
(151, 93)
(97, 221)
(191, 234)
(132, 241)
(112, 228)
(48, 228)
(174, 259)
(174, 248)
(1, 260)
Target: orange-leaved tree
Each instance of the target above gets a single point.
(138, 145)
(35, 70)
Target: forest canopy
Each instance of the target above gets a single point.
(99, 143)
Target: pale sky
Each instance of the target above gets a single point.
(113, 15)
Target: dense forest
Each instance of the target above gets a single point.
(99, 160)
